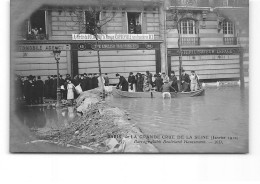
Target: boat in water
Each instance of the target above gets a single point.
(153, 94)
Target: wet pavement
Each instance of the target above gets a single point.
(221, 112)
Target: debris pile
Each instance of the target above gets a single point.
(101, 128)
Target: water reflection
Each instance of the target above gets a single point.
(46, 117)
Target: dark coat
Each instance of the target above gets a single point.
(39, 85)
(174, 81)
(123, 83)
(158, 83)
(94, 82)
(131, 81)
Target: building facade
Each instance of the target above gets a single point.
(213, 36)
(136, 36)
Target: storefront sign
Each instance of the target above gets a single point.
(113, 37)
(41, 47)
(204, 51)
(115, 46)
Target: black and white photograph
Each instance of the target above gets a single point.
(129, 76)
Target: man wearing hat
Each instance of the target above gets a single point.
(185, 81)
(122, 82)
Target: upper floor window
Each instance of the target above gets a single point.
(92, 20)
(37, 29)
(134, 23)
(229, 2)
(229, 33)
(228, 28)
(188, 27)
(188, 32)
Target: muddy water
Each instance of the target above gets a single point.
(221, 112)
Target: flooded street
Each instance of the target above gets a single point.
(221, 112)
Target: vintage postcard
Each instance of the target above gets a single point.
(129, 76)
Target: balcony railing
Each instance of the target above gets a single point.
(190, 41)
(37, 37)
(208, 3)
(230, 3)
(230, 40)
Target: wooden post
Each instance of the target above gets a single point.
(241, 58)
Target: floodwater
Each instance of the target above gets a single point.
(220, 112)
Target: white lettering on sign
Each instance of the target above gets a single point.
(42, 47)
(113, 37)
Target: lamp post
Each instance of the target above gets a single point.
(56, 53)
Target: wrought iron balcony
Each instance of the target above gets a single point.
(37, 37)
(230, 3)
(230, 40)
(190, 41)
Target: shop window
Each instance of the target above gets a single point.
(37, 26)
(189, 32)
(92, 20)
(134, 23)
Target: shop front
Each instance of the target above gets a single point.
(210, 63)
(116, 57)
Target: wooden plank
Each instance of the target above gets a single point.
(40, 66)
(116, 53)
(206, 62)
(117, 58)
(206, 57)
(207, 67)
(37, 60)
(40, 72)
(117, 64)
(119, 69)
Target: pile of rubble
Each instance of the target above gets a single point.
(101, 128)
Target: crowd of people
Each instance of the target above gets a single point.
(32, 89)
(159, 82)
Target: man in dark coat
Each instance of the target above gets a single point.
(122, 82)
(62, 89)
(94, 81)
(158, 82)
(149, 77)
(174, 82)
(54, 89)
(51, 86)
(185, 81)
(83, 82)
(90, 81)
(26, 91)
(106, 80)
(131, 80)
(39, 87)
(47, 87)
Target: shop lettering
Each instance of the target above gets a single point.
(213, 51)
(36, 48)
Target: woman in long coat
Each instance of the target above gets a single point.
(70, 89)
